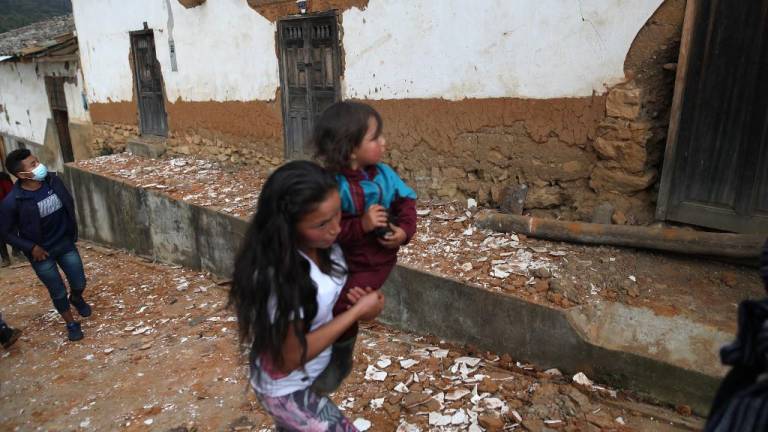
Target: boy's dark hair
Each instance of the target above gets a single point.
(339, 130)
(269, 269)
(14, 159)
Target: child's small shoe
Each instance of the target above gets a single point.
(9, 336)
(83, 308)
(74, 332)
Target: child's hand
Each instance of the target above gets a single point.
(355, 294)
(394, 239)
(369, 306)
(374, 217)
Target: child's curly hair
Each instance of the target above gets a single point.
(339, 130)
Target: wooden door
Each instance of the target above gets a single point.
(309, 75)
(716, 162)
(54, 86)
(149, 84)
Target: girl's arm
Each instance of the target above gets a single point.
(321, 338)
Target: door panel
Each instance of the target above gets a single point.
(716, 170)
(309, 70)
(149, 85)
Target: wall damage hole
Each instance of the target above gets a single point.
(275, 9)
(191, 3)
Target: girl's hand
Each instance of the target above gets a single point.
(374, 217)
(355, 294)
(394, 239)
(369, 306)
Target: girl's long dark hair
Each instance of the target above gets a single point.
(339, 130)
(269, 262)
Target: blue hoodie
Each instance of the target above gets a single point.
(20, 223)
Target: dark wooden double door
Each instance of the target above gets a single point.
(309, 74)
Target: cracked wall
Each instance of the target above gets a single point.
(565, 97)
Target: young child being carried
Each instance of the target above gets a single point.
(378, 211)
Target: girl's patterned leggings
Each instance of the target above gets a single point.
(305, 411)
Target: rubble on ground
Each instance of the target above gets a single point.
(161, 353)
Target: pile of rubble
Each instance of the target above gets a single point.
(198, 181)
(449, 244)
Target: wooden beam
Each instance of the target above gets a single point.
(742, 246)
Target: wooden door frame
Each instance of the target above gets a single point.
(135, 69)
(51, 84)
(337, 67)
(670, 152)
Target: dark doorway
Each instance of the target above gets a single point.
(54, 86)
(716, 162)
(149, 84)
(310, 70)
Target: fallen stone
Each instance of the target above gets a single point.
(362, 424)
(729, 279)
(579, 398)
(619, 218)
(491, 422)
(603, 213)
(541, 285)
(582, 379)
(684, 410)
(488, 386)
(414, 399)
(513, 199)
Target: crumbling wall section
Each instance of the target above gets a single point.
(631, 139)
(474, 148)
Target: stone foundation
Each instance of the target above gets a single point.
(111, 138)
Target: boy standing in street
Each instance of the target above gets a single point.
(38, 217)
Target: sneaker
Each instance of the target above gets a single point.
(74, 332)
(6, 263)
(83, 308)
(9, 336)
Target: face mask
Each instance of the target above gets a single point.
(39, 173)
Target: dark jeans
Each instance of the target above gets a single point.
(64, 254)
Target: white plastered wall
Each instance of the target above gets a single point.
(25, 106)
(394, 49)
(456, 49)
(225, 51)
